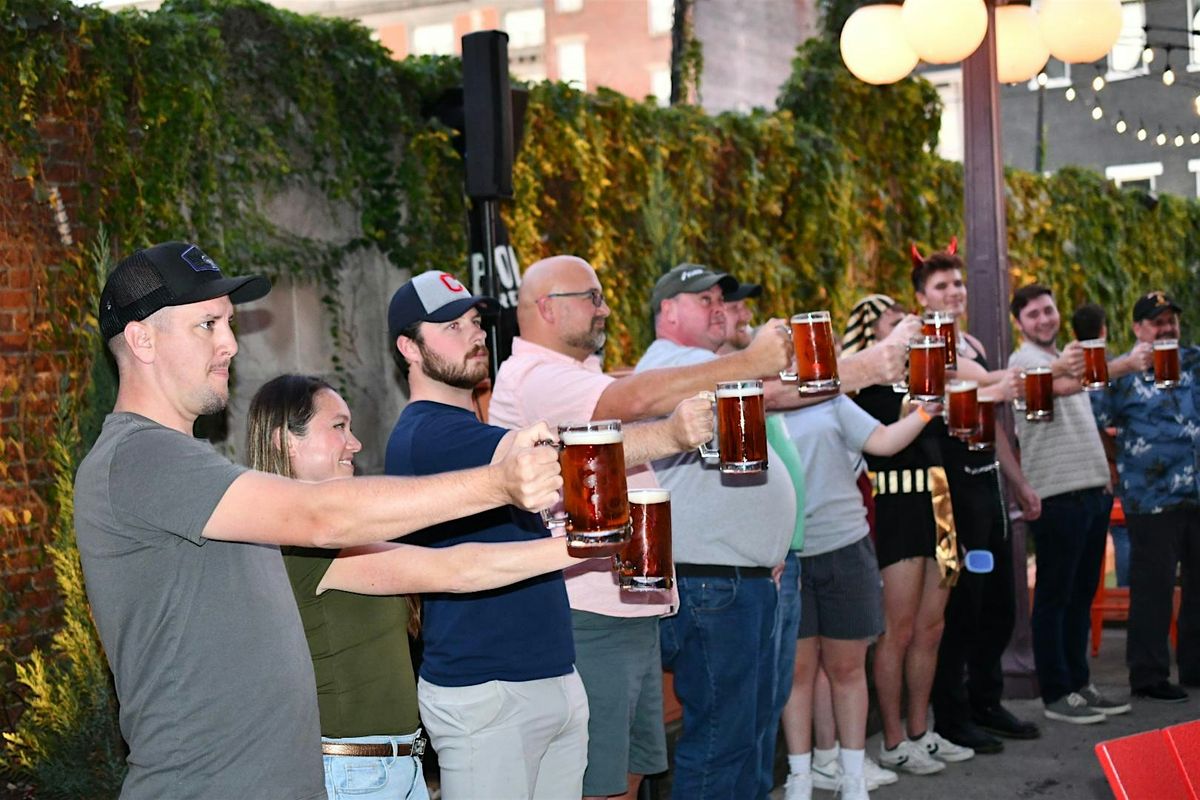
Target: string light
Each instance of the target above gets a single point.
(1141, 132)
(1195, 137)
(1042, 79)
(1070, 94)
(1097, 83)
(1097, 112)
(1161, 138)
(1179, 140)
(1147, 55)
(1121, 126)
(1196, 104)
(1168, 77)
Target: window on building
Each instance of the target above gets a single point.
(660, 85)
(525, 28)
(662, 14)
(1194, 168)
(567, 6)
(1135, 176)
(433, 40)
(948, 83)
(1125, 59)
(572, 63)
(1058, 75)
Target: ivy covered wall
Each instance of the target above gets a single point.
(192, 120)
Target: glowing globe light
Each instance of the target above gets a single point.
(1020, 51)
(871, 48)
(944, 31)
(1080, 31)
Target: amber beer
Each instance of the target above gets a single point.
(1095, 365)
(595, 496)
(741, 428)
(962, 408)
(927, 368)
(816, 361)
(1166, 363)
(644, 565)
(1039, 395)
(941, 323)
(985, 437)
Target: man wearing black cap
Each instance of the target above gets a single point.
(1158, 458)
(196, 617)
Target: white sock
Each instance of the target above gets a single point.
(852, 762)
(820, 756)
(800, 764)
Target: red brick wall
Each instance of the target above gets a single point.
(620, 51)
(31, 250)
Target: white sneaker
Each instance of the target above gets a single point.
(909, 757)
(798, 787)
(942, 749)
(876, 775)
(853, 788)
(827, 776)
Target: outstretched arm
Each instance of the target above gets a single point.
(270, 509)
(887, 440)
(391, 568)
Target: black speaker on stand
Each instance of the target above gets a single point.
(489, 114)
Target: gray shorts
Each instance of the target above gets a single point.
(620, 663)
(841, 593)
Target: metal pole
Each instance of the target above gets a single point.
(987, 303)
(491, 281)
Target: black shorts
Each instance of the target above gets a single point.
(904, 527)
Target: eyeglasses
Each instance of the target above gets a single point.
(595, 295)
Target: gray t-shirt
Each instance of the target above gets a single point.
(731, 520)
(216, 686)
(1065, 454)
(830, 438)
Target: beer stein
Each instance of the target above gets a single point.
(741, 428)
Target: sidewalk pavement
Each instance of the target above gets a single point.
(1060, 765)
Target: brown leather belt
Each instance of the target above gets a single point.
(381, 750)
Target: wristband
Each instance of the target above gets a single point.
(923, 414)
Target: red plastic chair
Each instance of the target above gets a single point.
(1155, 765)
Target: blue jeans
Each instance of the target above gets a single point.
(721, 648)
(1070, 537)
(787, 627)
(368, 778)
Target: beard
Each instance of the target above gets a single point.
(590, 340)
(460, 376)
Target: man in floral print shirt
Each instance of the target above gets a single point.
(1158, 457)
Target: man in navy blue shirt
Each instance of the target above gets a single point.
(1158, 455)
(498, 691)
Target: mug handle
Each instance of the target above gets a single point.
(707, 451)
(1018, 402)
(902, 386)
(550, 519)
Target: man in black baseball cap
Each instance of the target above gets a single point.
(168, 274)
(1156, 316)
(201, 631)
(1158, 451)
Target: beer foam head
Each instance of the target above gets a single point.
(1037, 371)
(591, 437)
(1166, 344)
(1090, 343)
(747, 389)
(648, 496)
(927, 342)
(962, 386)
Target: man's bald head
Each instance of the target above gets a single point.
(555, 307)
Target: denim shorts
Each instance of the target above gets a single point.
(370, 778)
(841, 593)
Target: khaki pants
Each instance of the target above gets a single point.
(508, 740)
